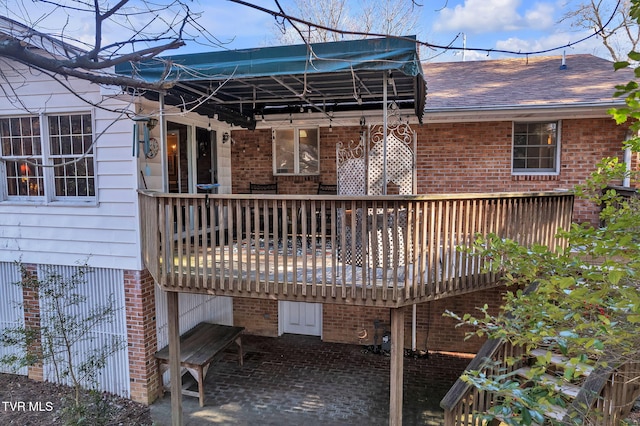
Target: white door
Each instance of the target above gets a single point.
(300, 318)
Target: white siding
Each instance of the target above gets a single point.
(103, 235)
(194, 309)
(101, 284)
(11, 310)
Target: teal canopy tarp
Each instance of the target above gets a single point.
(368, 54)
(344, 75)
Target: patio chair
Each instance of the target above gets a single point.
(265, 188)
(325, 189)
(328, 189)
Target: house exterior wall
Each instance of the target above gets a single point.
(104, 233)
(355, 325)
(476, 157)
(450, 158)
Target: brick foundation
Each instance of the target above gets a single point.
(355, 324)
(141, 334)
(257, 316)
(31, 307)
(434, 332)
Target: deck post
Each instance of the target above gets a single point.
(397, 366)
(173, 315)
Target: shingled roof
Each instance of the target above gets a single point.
(514, 84)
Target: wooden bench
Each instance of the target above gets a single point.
(198, 349)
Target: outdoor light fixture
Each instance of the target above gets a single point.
(225, 137)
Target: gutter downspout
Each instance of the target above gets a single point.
(163, 144)
(626, 182)
(414, 317)
(385, 108)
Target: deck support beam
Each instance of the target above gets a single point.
(173, 314)
(397, 366)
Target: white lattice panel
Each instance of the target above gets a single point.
(400, 159)
(352, 168)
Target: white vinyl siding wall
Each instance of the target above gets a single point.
(104, 233)
(101, 284)
(194, 309)
(11, 311)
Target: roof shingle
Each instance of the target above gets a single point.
(522, 82)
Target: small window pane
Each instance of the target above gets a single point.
(309, 161)
(296, 151)
(22, 153)
(535, 147)
(24, 179)
(72, 155)
(285, 154)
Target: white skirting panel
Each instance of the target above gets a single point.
(11, 311)
(101, 285)
(194, 308)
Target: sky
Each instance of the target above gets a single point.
(514, 25)
(517, 25)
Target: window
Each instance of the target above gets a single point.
(296, 151)
(64, 146)
(535, 148)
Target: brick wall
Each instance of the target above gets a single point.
(252, 161)
(451, 158)
(257, 316)
(31, 307)
(140, 311)
(434, 332)
(476, 157)
(355, 324)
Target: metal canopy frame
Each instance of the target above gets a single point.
(244, 85)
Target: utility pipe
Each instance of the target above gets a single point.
(384, 132)
(413, 327)
(626, 181)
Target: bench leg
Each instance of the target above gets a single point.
(240, 353)
(200, 379)
(162, 368)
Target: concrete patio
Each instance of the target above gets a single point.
(294, 380)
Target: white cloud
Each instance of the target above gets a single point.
(540, 16)
(552, 41)
(482, 16)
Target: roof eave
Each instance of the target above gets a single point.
(514, 112)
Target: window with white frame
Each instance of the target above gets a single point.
(296, 151)
(51, 162)
(536, 147)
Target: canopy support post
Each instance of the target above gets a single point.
(174, 358)
(397, 366)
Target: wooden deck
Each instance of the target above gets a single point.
(372, 251)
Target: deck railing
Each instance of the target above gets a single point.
(363, 250)
(605, 398)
